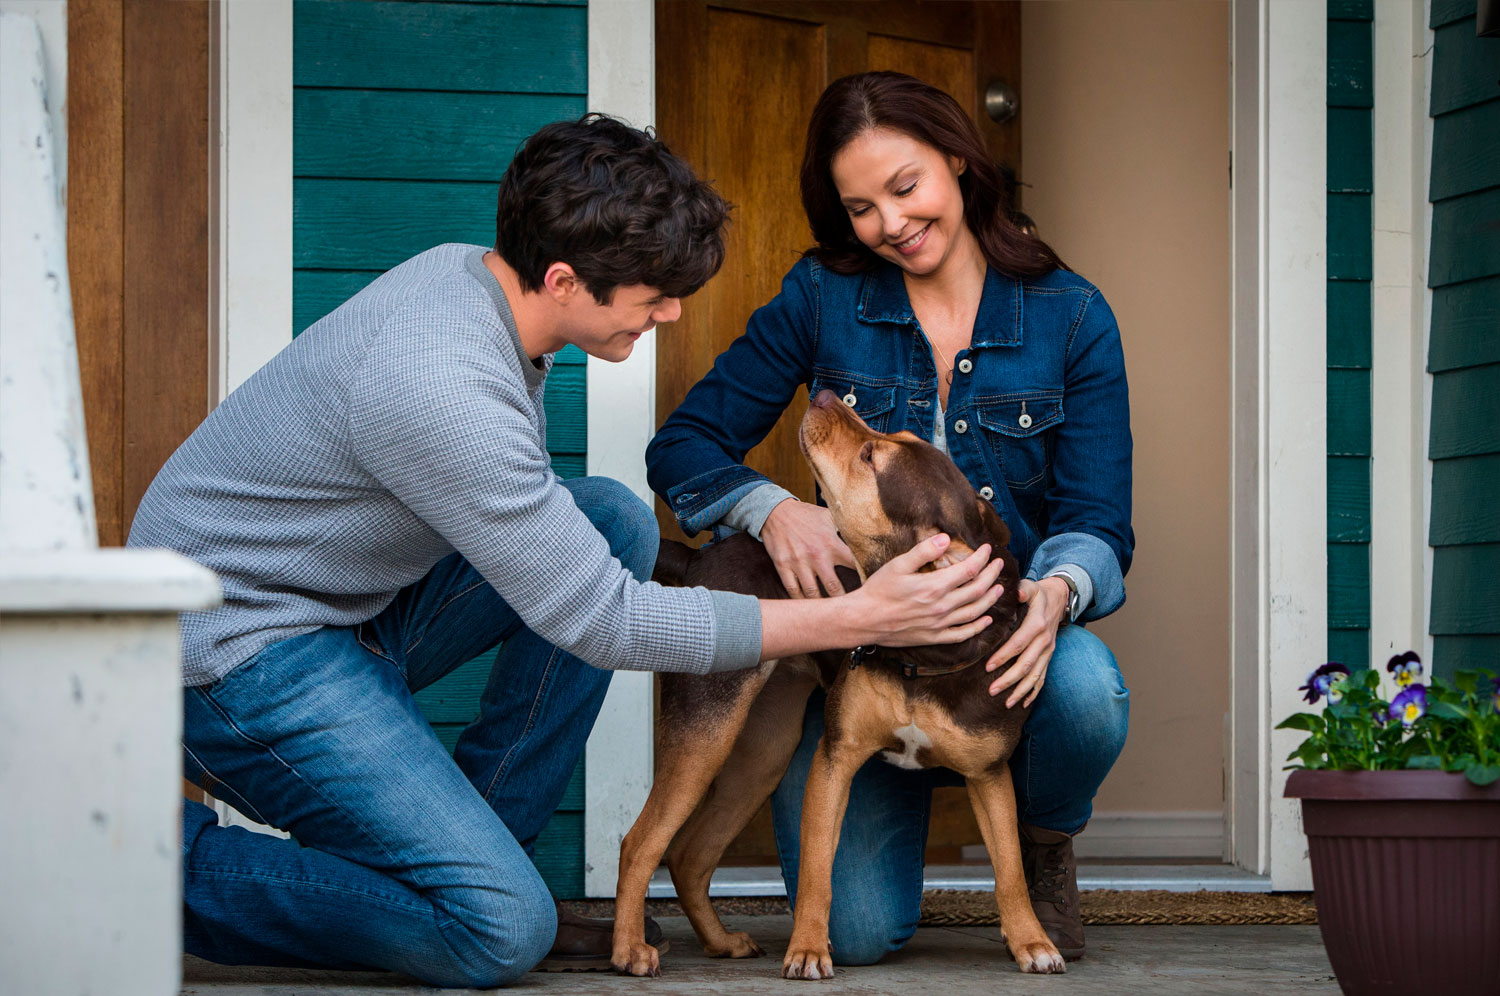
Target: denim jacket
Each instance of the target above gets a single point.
(1037, 415)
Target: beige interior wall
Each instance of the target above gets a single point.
(1127, 136)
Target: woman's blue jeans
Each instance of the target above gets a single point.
(400, 858)
(1072, 737)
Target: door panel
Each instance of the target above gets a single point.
(736, 84)
(949, 69)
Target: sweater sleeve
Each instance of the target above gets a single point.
(446, 431)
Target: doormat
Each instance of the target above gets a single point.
(1116, 907)
(954, 908)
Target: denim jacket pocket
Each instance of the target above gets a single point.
(1016, 426)
(871, 399)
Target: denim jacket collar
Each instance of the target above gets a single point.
(882, 298)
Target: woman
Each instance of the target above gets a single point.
(926, 308)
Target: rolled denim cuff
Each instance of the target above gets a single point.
(1081, 581)
(750, 512)
(1091, 554)
(737, 635)
(707, 498)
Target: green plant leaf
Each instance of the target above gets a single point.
(1482, 774)
(1426, 762)
(1447, 710)
(1302, 721)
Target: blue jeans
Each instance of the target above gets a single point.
(401, 857)
(1072, 737)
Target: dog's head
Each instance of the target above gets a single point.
(887, 492)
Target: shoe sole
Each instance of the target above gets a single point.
(586, 963)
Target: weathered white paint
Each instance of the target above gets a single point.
(46, 495)
(252, 189)
(90, 679)
(90, 771)
(621, 420)
(1400, 302)
(51, 18)
(109, 580)
(1278, 375)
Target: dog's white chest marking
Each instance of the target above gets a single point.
(913, 737)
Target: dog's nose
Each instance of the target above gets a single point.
(826, 399)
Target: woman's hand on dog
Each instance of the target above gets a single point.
(1034, 640)
(906, 607)
(805, 547)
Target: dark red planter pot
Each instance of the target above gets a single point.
(1406, 874)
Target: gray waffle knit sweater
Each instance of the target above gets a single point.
(404, 426)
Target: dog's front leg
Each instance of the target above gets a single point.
(833, 767)
(994, 800)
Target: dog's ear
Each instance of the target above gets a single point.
(994, 526)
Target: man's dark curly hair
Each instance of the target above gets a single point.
(613, 203)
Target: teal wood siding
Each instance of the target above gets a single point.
(405, 115)
(1464, 350)
(1350, 172)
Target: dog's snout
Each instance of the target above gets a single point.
(826, 399)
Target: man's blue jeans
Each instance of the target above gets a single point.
(1074, 733)
(400, 858)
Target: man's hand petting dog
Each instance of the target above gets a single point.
(911, 607)
(1034, 640)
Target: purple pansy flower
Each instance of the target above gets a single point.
(1410, 705)
(1406, 667)
(1325, 681)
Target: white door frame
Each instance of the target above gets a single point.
(1278, 589)
(622, 417)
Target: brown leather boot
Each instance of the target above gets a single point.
(583, 944)
(1052, 880)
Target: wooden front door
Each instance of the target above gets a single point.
(736, 81)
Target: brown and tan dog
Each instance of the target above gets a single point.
(724, 740)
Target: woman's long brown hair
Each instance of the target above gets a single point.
(855, 104)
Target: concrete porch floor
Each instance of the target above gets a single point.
(941, 961)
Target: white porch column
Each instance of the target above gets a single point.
(90, 684)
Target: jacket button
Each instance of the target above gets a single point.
(1024, 421)
(960, 427)
(850, 399)
(986, 492)
(964, 366)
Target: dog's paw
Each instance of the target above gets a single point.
(637, 958)
(807, 961)
(1039, 958)
(734, 945)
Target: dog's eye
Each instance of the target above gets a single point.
(866, 453)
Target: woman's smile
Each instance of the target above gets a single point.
(911, 245)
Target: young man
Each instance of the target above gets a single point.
(380, 508)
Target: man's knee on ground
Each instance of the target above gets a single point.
(626, 522)
(506, 934)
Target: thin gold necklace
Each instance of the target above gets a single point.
(946, 364)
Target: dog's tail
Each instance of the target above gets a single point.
(672, 560)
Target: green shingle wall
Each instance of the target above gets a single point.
(1350, 182)
(405, 116)
(1464, 348)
